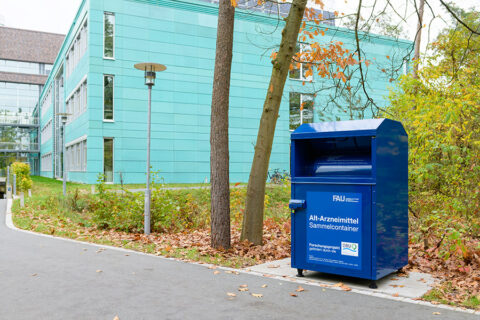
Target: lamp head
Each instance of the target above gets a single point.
(150, 70)
(63, 117)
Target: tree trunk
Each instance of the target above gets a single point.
(252, 229)
(219, 157)
(418, 39)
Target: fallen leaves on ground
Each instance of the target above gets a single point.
(231, 294)
(300, 289)
(459, 273)
(257, 295)
(216, 272)
(345, 288)
(232, 272)
(293, 294)
(98, 271)
(264, 286)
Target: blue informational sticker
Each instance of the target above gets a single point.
(334, 229)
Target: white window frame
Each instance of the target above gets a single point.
(113, 98)
(113, 158)
(302, 94)
(310, 78)
(105, 13)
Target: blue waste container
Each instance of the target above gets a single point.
(350, 198)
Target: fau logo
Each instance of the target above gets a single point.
(338, 198)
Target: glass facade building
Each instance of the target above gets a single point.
(26, 59)
(93, 79)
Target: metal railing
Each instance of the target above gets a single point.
(22, 119)
(19, 146)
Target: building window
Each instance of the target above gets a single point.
(18, 98)
(46, 102)
(301, 109)
(46, 162)
(108, 159)
(46, 133)
(77, 102)
(25, 67)
(77, 50)
(77, 156)
(108, 97)
(299, 70)
(109, 35)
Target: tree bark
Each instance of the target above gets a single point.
(252, 229)
(418, 39)
(219, 154)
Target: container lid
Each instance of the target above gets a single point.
(349, 128)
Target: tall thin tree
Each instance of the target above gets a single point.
(252, 229)
(219, 152)
(418, 39)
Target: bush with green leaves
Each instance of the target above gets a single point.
(441, 113)
(22, 172)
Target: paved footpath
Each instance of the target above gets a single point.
(46, 278)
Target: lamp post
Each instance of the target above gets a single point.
(64, 117)
(150, 70)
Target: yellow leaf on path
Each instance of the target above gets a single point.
(243, 285)
(436, 313)
(273, 266)
(34, 275)
(98, 271)
(346, 288)
(293, 294)
(116, 318)
(231, 294)
(257, 295)
(216, 272)
(395, 294)
(338, 284)
(300, 289)
(232, 272)
(242, 289)
(264, 286)
(212, 267)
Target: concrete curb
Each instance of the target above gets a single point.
(10, 225)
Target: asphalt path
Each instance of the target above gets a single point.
(47, 278)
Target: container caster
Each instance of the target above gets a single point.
(373, 285)
(300, 273)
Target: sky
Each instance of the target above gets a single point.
(53, 16)
(56, 15)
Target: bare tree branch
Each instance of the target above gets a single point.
(458, 19)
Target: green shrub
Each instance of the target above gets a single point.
(22, 171)
(441, 113)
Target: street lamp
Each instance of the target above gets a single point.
(64, 117)
(150, 70)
